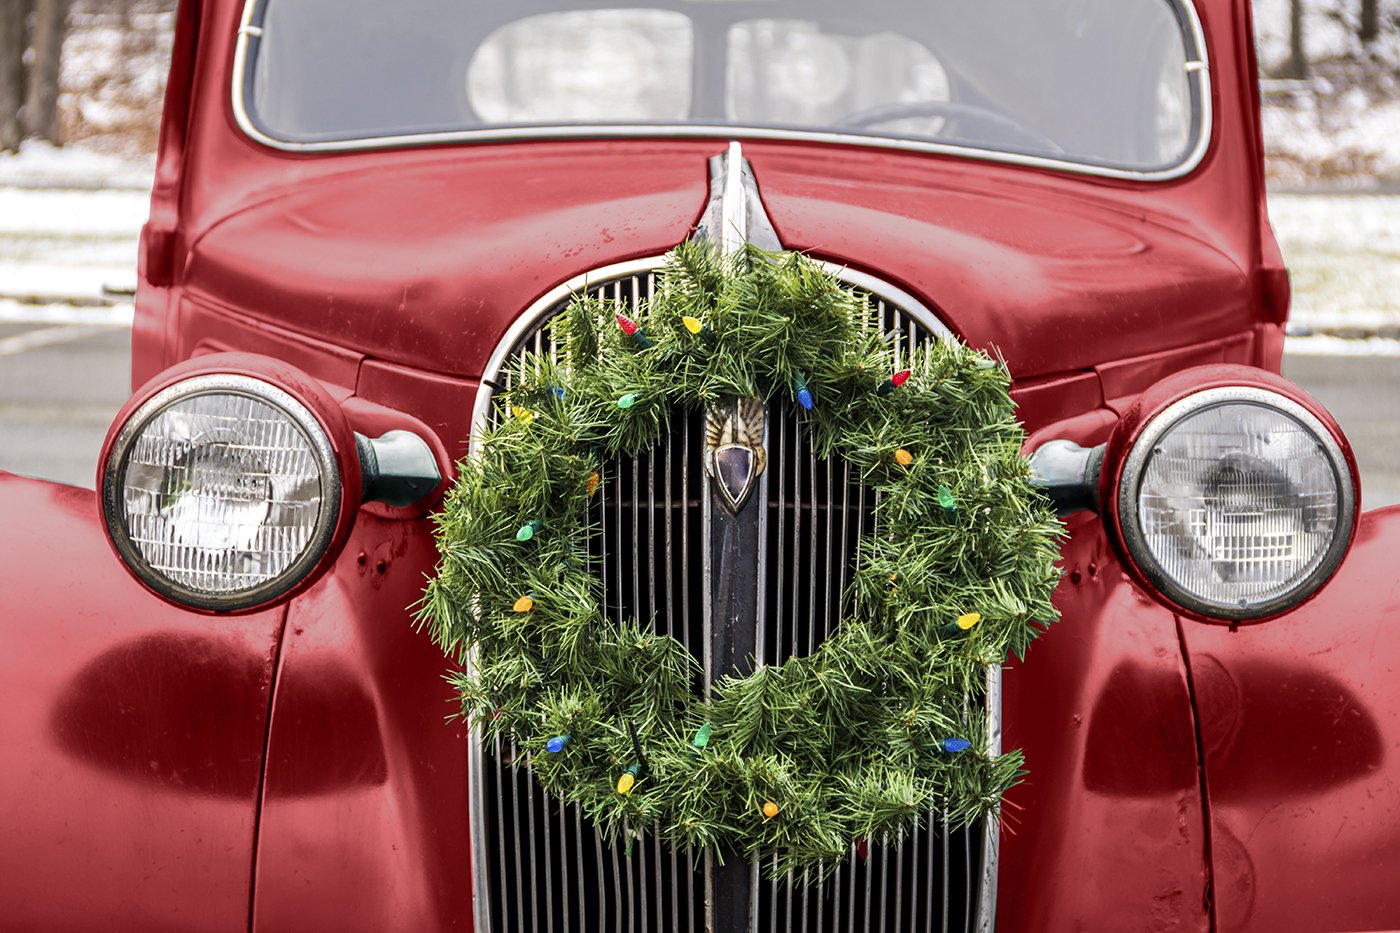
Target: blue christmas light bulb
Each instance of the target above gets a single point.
(558, 743)
(953, 746)
(804, 394)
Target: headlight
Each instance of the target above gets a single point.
(223, 491)
(1234, 502)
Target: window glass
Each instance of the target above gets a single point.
(1102, 83)
(793, 72)
(586, 65)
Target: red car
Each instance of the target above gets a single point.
(217, 713)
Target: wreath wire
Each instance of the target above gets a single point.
(799, 761)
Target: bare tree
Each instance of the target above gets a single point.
(1370, 28)
(41, 104)
(1297, 66)
(13, 14)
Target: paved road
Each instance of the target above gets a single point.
(61, 384)
(1363, 394)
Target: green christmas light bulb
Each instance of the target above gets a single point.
(702, 736)
(948, 503)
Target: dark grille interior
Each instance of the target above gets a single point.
(546, 869)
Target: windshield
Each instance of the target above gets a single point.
(1109, 84)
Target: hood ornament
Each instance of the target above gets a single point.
(735, 428)
(735, 432)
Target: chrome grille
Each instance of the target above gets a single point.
(540, 865)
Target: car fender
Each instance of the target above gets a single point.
(1108, 830)
(1300, 725)
(133, 733)
(364, 821)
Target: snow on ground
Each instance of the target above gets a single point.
(41, 165)
(1343, 253)
(68, 243)
(17, 312)
(1323, 345)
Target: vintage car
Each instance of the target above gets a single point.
(217, 712)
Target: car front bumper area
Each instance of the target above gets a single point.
(192, 769)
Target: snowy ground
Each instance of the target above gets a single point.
(68, 244)
(1343, 253)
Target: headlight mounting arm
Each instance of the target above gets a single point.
(1069, 474)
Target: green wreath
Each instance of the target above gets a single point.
(861, 739)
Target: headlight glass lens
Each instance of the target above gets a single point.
(1240, 506)
(223, 497)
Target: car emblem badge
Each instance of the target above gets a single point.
(734, 455)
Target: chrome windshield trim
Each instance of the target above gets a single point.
(1198, 67)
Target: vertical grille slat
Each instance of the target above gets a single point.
(946, 907)
(530, 840)
(515, 828)
(548, 868)
(793, 579)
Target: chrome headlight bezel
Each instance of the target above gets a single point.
(314, 432)
(1130, 475)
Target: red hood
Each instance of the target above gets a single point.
(428, 262)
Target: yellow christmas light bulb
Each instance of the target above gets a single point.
(624, 783)
(692, 324)
(524, 604)
(903, 457)
(524, 414)
(770, 810)
(968, 620)
(594, 480)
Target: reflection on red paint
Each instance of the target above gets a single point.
(1130, 713)
(1279, 729)
(180, 711)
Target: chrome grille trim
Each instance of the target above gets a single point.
(535, 316)
(802, 506)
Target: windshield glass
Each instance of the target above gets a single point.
(1109, 84)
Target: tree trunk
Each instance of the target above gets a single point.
(41, 106)
(12, 45)
(1297, 60)
(1370, 21)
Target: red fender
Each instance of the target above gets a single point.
(133, 734)
(1300, 722)
(1108, 830)
(364, 822)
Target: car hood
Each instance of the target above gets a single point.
(427, 264)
